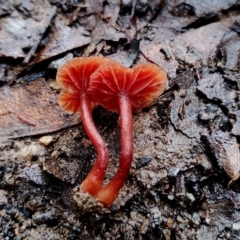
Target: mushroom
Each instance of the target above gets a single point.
(74, 77)
(125, 90)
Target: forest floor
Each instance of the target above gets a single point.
(183, 183)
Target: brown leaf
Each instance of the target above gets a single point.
(31, 109)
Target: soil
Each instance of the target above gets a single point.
(184, 181)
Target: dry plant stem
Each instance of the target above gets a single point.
(93, 182)
(110, 192)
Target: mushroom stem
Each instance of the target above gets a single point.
(109, 193)
(93, 182)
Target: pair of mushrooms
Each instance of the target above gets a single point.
(99, 80)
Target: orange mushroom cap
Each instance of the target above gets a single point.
(142, 84)
(74, 77)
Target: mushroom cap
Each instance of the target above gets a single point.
(74, 77)
(141, 84)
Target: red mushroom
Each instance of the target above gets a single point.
(74, 77)
(123, 89)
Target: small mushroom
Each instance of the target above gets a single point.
(74, 77)
(124, 90)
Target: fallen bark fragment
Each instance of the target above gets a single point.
(31, 109)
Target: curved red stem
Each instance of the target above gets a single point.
(93, 182)
(108, 194)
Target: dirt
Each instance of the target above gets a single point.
(184, 181)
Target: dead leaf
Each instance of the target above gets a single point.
(158, 51)
(35, 174)
(73, 16)
(230, 51)
(63, 39)
(227, 153)
(202, 8)
(111, 11)
(3, 198)
(192, 48)
(185, 116)
(106, 32)
(236, 125)
(18, 33)
(89, 49)
(66, 171)
(40, 35)
(31, 109)
(5, 9)
(213, 87)
(93, 6)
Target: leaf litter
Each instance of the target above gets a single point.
(173, 169)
